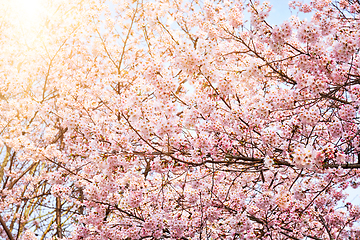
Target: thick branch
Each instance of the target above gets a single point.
(345, 166)
(58, 217)
(8, 233)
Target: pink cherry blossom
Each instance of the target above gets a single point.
(179, 119)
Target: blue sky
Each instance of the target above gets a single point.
(281, 11)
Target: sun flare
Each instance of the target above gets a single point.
(28, 13)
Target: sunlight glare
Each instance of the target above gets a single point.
(29, 12)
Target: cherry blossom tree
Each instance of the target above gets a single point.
(179, 120)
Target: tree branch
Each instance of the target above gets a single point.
(8, 233)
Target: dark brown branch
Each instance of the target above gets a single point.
(59, 135)
(121, 210)
(58, 217)
(326, 226)
(250, 159)
(334, 98)
(21, 175)
(65, 168)
(326, 187)
(345, 166)
(8, 233)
